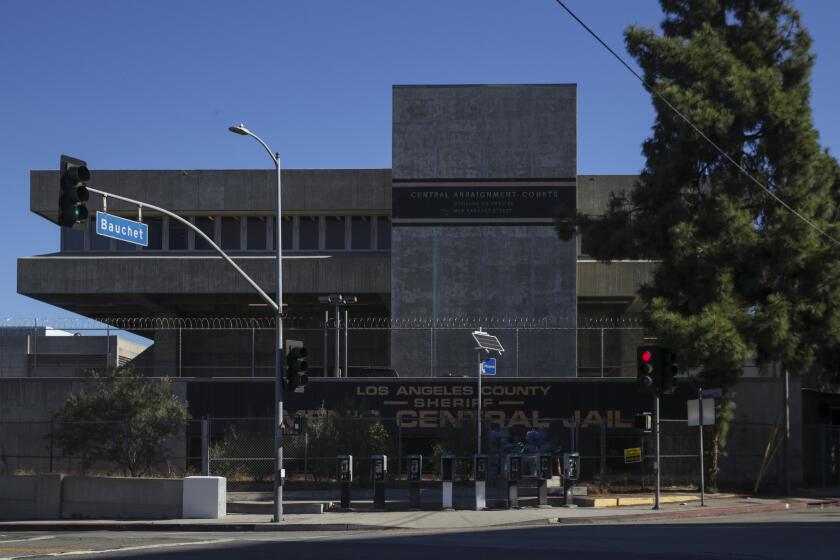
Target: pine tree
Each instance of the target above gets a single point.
(740, 275)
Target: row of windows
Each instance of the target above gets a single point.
(246, 233)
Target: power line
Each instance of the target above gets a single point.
(651, 89)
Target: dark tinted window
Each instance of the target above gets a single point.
(334, 233)
(360, 234)
(155, 234)
(230, 233)
(72, 239)
(98, 242)
(177, 236)
(256, 233)
(383, 232)
(206, 225)
(288, 230)
(308, 233)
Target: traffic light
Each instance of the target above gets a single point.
(647, 372)
(296, 376)
(669, 373)
(73, 193)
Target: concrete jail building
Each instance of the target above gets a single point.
(458, 234)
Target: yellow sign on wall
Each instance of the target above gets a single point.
(633, 455)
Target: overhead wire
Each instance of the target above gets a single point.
(688, 121)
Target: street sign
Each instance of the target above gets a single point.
(712, 393)
(633, 455)
(108, 225)
(488, 366)
(694, 412)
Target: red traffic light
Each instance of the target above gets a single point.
(646, 356)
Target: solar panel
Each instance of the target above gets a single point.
(487, 342)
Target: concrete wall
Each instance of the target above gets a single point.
(30, 497)
(229, 191)
(121, 498)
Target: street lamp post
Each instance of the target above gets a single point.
(278, 335)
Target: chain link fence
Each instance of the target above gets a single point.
(240, 449)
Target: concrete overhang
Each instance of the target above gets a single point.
(229, 192)
(105, 285)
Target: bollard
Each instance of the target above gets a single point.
(544, 473)
(480, 474)
(514, 475)
(379, 470)
(345, 478)
(447, 475)
(415, 471)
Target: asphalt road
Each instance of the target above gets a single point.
(799, 534)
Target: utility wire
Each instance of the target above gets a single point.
(652, 90)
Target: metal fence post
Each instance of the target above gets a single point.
(305, 456)
(602, 352)
(205, 446)
(603, 450)
(52, 426)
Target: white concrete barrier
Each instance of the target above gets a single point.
(205, 497)
(121, 498)
(30, 497)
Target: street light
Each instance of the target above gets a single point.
(338, 300)
(278, 342)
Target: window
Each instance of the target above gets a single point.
(207, 225)
(383, 232)
(334, 233)
(231, 234)
(72, 239)
(97, 242)
(155, 234)
(308, 233)
(360, 233)
(256, 227)
(177, 236)
(288, 230)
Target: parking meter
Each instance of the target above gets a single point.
(544, 470)
(514, 475)
(415, 470)
(480, 470)
(447, 467)
(571, 473)
(447, 476)
(345, 478)
(379, 467)
(415, 467)
(514, 468)
(379, 472)
(571, 464)
(544, 473)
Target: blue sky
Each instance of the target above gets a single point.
(155, 84)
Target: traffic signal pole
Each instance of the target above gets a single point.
(656, 439)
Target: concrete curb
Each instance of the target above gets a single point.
(694, 513)
(662, 516)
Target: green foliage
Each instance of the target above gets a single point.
(122, 418)
(349, 430)
(244, 439)
(740, 275)
(459, 440)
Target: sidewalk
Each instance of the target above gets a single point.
(431, 520)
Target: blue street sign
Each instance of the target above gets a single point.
(129, 231)
(712, 393)
(488, 366)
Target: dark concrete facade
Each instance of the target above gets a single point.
(468, 139)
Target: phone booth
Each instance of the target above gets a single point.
(415, 474)
(379, 472)
(480, 470)
(345, 478)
